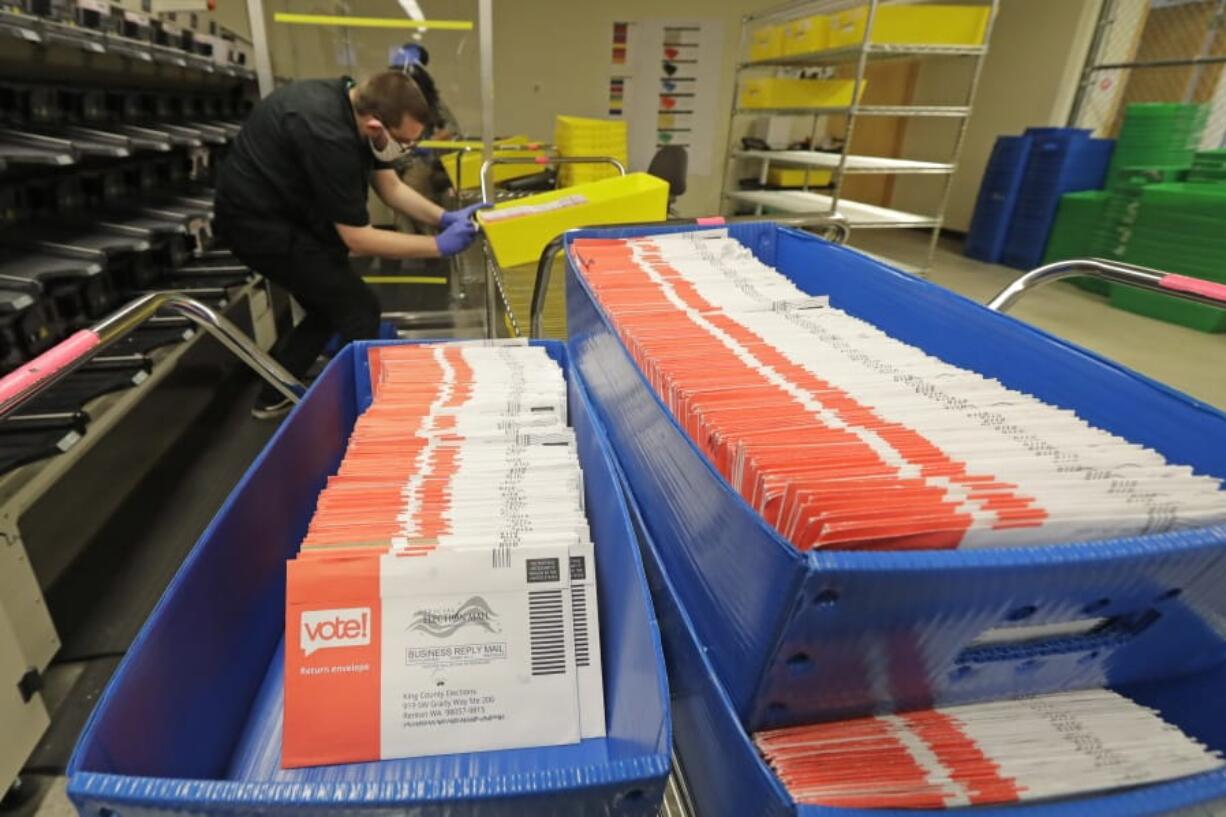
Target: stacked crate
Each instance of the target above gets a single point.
(1179, 228)
(997, 198)
(580, 136)
(1061, 160)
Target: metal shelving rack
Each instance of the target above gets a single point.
(841, 163)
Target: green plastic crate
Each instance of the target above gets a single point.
(1159, 134)
(1179, 227)
(1165, 308)
(1073, 233)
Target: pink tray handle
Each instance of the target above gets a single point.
(1197, 286)
(709, 221)
(58, 357)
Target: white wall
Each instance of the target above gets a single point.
(552, 56)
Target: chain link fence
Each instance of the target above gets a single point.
(1155, 51)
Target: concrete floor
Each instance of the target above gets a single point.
(1191, 361)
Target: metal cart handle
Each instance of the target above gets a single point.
(1167, 283)
(487, 188)
(462, 149)
(544, 268)
(33, 377)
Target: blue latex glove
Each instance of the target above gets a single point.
(458, 235)
(449, 217)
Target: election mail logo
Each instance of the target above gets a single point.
(341, 627)
(442, 622)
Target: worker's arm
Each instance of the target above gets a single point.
(404, 199)
(370, 240)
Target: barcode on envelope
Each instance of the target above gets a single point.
(578, 602)
(547, 632)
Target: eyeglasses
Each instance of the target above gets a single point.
(402, 147)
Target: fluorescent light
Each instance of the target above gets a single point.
(413, 9)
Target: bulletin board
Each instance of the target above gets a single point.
(664, 81)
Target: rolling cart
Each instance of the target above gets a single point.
(811, 636)
(522, 286)
(508, 284)
(835, 227)
(463, 165)
(722, 765)
(217, 754)
(416, 304)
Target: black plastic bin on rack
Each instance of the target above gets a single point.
(78, 289)
(28, 324)
(190, 723)
(802, 636)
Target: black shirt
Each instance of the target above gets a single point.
(300, 159)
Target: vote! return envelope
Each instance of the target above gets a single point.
(398, 656)
(444, 597)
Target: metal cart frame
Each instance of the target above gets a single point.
(494, 288)
(480, 194)
(544, 269)
(31, 379)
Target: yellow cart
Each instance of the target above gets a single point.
(512, 245)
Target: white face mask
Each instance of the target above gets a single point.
(390, 152)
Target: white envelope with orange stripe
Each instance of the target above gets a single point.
(399, 656)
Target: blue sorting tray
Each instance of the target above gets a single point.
(799, 637)
(190, 723)
(728, 778)
(1062, 161)
(997, 199)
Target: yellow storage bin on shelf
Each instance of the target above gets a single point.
(912, 25)
(784, 92)
(807, 34)
(518, 230)
(766, 43)
(583, 136)
(468, 162)
(795, 177)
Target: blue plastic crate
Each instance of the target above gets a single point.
(1070, 134)
(997, 198)
(190, 723)
(816, 635)
(728, 777)
(1059, 163)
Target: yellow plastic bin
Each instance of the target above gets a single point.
(468, 162)
(570, 131)
(584, 136)
(807, 34)
(912, 25)
(572, 175)
(784, 92)
(766, 43)
(520, 240)
(795, 177)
